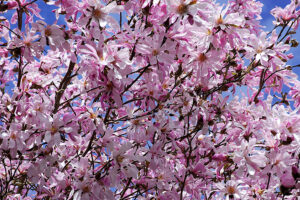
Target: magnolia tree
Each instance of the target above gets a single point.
(136, 100)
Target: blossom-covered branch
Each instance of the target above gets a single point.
(148, 99)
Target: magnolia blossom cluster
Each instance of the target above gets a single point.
(148, 99)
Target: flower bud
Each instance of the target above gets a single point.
(287, 180)
(295, 172)
(219, 157)
(11, 5)
(294, 43)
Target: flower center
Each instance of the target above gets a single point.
(155, 52)
(48, 32)
(202, 57)
(160, 177)
(53, 129)
(86, 189)
(13, 136)
(164, 86)
(136, 122)
(109, 85)
(97, 13)
(93, 116)
(209, 32)
(185, 103)
(193, 2)
(259, 50)
(220, 20)
(260, 192)
(182, 9)
(231, 190)
(120, 158)
(27, 43)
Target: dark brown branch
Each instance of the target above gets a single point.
(137, 78)
(63, 85)
(261, 84)
(89, 147)
(126, 187)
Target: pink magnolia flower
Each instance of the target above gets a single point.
(260, 48)
(52, 135)
(232, 189)
(225, 20)
(253, 159)
(182, 7)
(280, 162)
(29, 45)
(51, 35)
(204, 63)
(99, 13)
(157, 49)
(283, 15)
(12, 140)
(98, 53)
(11, 5)
(29, 7)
